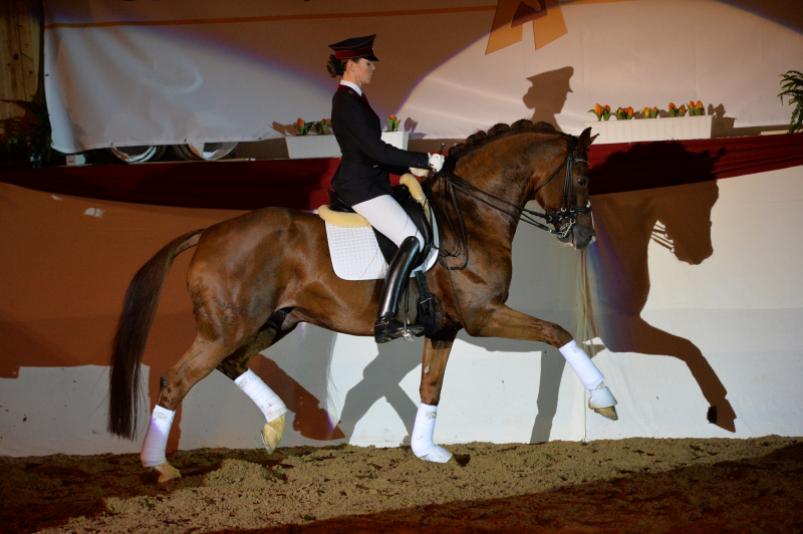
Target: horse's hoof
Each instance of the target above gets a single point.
(601, 397)
(435, 454)
(272, 433)
(609, 412)
(166, 472)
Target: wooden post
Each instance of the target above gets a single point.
(20, 53)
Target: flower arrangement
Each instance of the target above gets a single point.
(649, 112)
(603, 112)
(623, 114)
(792, 85)
(696, 108)
(393, 123)
(675, 111)
(321, 127)
(302, 127)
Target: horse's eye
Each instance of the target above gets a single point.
(583, 180)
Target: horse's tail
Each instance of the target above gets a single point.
(139, 309)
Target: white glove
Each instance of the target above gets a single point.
(436, 162)
(421, 173)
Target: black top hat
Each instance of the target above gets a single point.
(355, 48)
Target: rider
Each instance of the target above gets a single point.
(362, 180)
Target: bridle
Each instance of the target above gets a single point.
(562, 220)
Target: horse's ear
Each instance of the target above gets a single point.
(586, 139)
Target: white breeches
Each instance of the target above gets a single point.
(389, 218)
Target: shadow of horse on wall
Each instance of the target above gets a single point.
(678, 218)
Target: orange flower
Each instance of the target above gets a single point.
(392, 117)
(672, 105)
(597, 110)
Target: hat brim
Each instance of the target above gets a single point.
(371, 57)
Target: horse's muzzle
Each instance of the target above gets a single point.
(582, 236)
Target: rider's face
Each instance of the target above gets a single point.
(361, 71)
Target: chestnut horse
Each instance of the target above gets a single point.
(255, 277)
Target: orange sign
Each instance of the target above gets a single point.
(545, 15)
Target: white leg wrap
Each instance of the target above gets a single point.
(585, 369)
(423, 431)
(153, 449)
(258, 391)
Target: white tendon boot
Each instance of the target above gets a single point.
(601, 400)
(423, 431)
(153, 449)
(268, 403)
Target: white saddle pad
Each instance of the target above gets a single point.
(356, 254)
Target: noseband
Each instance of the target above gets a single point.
(561, 220)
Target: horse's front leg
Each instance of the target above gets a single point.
(433, 367)
(506, 322)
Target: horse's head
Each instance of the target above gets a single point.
(561, 187)
(494, 173)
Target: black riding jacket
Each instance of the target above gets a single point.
(363, 171)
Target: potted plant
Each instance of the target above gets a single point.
(631, 126)
(26, 140)
(393, 135)
(792, 85)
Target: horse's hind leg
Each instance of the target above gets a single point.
(433, 367)
(196, 363)
(236, 368)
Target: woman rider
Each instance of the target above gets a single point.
(362, 180)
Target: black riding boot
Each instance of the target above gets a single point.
(387, 326)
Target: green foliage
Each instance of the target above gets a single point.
(26, 139)
(792, 85)
(321, 127)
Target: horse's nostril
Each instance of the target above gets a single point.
(583, 236)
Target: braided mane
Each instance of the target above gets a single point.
(479, 139)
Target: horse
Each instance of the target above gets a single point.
(254, 278)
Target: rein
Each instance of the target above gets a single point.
(562, 220)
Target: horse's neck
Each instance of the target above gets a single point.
(484, 223)
(504, 172)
